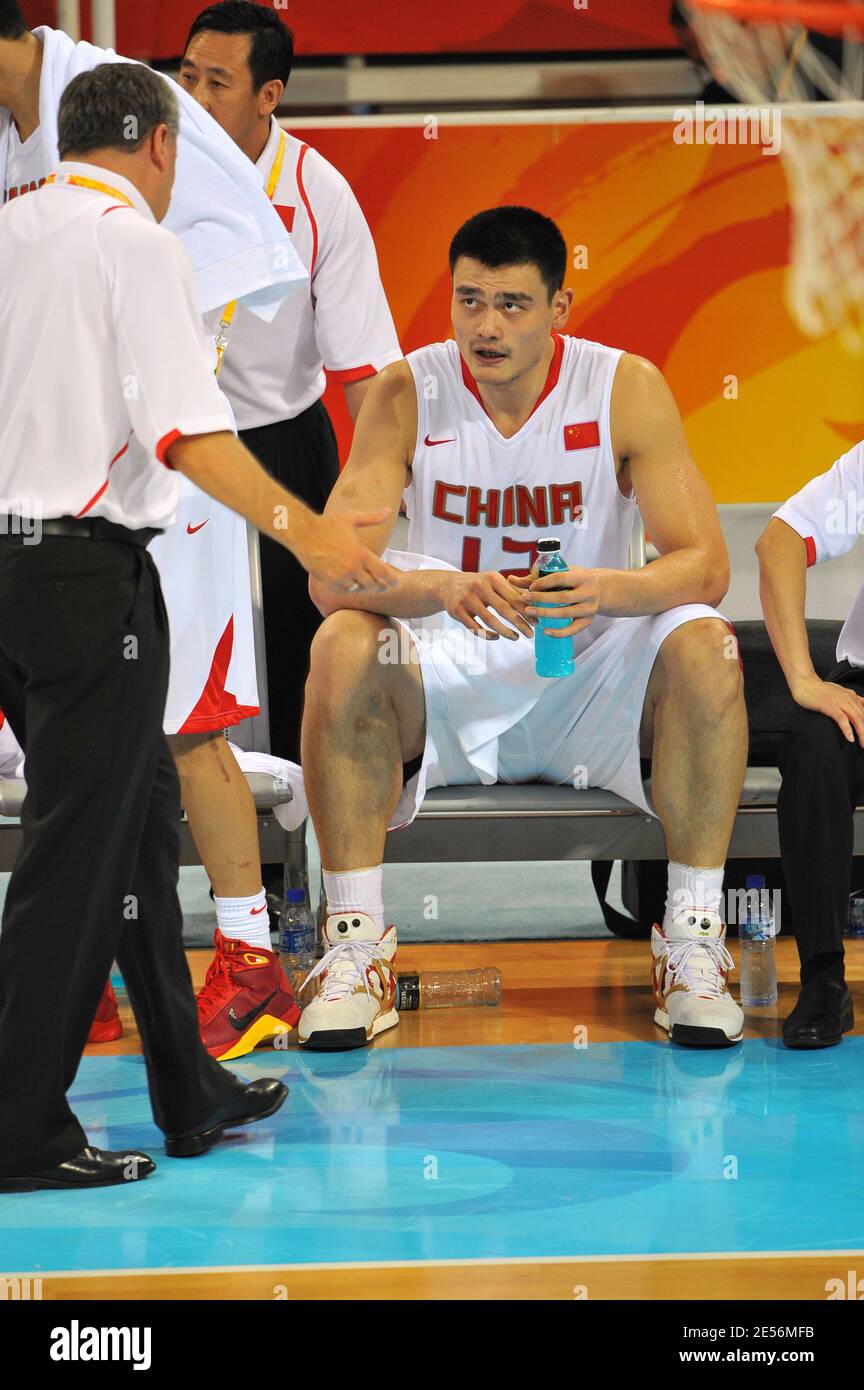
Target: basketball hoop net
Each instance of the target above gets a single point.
(775, 52)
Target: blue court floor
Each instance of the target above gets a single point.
(472, 1152)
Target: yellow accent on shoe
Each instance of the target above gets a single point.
(267, 1028)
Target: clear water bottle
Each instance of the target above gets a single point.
(443, 989)
(855, 920)
(553, 656)
(756, 935)
(296, 937)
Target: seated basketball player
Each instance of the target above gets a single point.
(509, 432)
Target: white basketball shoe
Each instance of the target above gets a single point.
(356, 989)
(691, 981)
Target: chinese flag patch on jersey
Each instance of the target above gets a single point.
(584, 436)
(287, 215)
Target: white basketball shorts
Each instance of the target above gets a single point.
(491, 718)
(203, 564)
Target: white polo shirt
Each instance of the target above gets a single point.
(105, 361)
(274, 371)
(828, 514)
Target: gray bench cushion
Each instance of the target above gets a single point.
(761, 787)
(473, 823)
(265, 793)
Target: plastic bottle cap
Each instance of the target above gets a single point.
(548, 543)
(754, 881)
(409, 992)
(295, 895)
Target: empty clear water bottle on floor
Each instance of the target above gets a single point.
(443, 989)
(756, 936)
(296, 937)
(855, 920)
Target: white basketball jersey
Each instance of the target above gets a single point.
(482, 502)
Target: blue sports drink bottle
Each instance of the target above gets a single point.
(553, 656)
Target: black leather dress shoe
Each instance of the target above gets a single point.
(821, 1016)
(256, 1101)
(89, 1168)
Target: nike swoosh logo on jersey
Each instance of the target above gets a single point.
(432, 442)
(192, 529)
(241, 1024)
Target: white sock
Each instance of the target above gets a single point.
(689, 887)
(359, 890)
(245, 919)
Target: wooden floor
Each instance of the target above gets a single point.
(782, 1277)
(549, 988)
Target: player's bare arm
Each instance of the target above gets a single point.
(355, 393)
(652, 459)
(782, 590)
(223, 467)
(374, 478)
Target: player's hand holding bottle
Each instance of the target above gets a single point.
(575, 593)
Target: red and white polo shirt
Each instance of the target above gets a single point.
(274, 371)
(828, 514)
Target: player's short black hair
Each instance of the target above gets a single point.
(12, 24)
(271, 51)
(513, 236)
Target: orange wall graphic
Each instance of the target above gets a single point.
(687, 248)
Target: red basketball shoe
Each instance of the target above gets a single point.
(106, 1026)
(246, 1000)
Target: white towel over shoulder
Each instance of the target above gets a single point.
(237, 243)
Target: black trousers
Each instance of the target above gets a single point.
(823, 780)
(83, 679)
(302, 455)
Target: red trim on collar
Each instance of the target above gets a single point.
(551, 376)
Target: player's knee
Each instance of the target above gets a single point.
(346, 650)
(701, 661)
